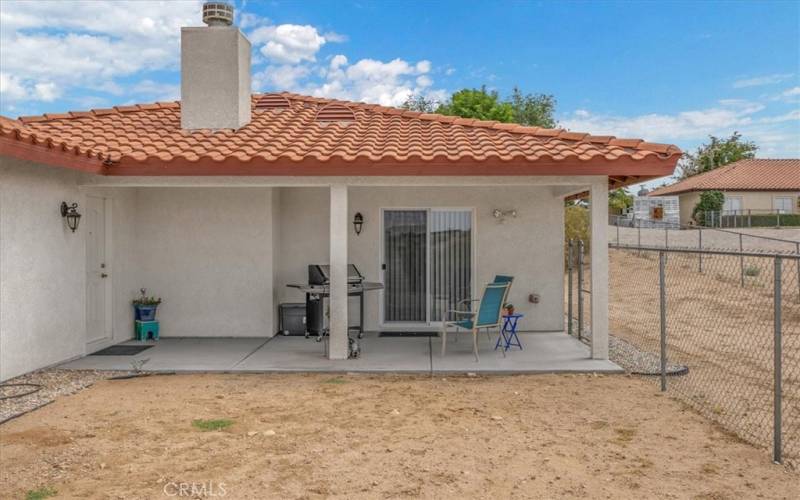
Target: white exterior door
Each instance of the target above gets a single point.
(98, 284)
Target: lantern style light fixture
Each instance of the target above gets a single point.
(358, 222)
(70, 212)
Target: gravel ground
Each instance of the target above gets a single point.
(53, 382)
(633, 359)
(639, 362)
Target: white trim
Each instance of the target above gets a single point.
(579, 181)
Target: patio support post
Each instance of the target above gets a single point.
(338, 344)
(599, 268)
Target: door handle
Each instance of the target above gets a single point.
(103, 275)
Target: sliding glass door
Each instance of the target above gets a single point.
(427, 262)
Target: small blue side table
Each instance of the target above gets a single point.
(508, 335)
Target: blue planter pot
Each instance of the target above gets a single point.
(145, 313)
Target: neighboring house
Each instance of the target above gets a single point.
(218, 201)
(751, 187)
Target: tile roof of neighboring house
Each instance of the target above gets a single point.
(291, 134)
(744, 175)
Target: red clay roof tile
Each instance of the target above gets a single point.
(323, 131)
(743, 175)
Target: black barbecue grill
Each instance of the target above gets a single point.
(318, 288)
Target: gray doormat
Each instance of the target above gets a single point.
(409, 334)
(121, 350)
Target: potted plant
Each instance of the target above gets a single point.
(145, 307)
(509, 309)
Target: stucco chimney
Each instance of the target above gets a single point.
(215, 72)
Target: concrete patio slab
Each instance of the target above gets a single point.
(378, 354)
(178, 354)
(543, 353)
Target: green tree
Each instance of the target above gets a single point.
(420, 103)
(619, 200)
(716, 153)
(710, 201)
(577, 225)
(479, 104)
(535, 110)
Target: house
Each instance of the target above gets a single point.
(218, 201)
(752, 188)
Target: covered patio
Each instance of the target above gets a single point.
(544, 352)
(225, 227)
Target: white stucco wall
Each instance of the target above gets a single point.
(42, 276)
(528, 247)
(221, 256)
(208, 253)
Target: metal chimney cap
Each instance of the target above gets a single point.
(218, 13)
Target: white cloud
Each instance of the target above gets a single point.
(284, 76)
(338, 61)
(758, 81)
(11, 88)
(107, 52)
(683, 125)
(51, 47)
(157, 91)
(47, 92)
(791, 93)
(424, 81)
(776, 133)
(288, 43)
(369, 80)
(333, 37)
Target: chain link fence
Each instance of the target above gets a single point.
(728, 343)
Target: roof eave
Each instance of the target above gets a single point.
(50, 155)
(650, 167)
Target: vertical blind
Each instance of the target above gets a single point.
(413, 267)
(405, 258)
(451, 260)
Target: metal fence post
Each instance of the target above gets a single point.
(617, 221)
(749, 217)
(639, 237)
(741, 260)
(580, 289)
(570, 258)
(797, 263)
(700, 254)
(777, 355)
(663, 304)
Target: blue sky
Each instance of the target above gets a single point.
(665, 71)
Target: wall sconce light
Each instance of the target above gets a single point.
(358, 222)
(70, 212)
(501, 215)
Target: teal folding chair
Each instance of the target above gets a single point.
(487, 315)
(501, 278)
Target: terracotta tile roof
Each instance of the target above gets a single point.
(744, 175)
(290, 131)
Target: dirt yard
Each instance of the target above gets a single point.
(364, 436)
(721, 330)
